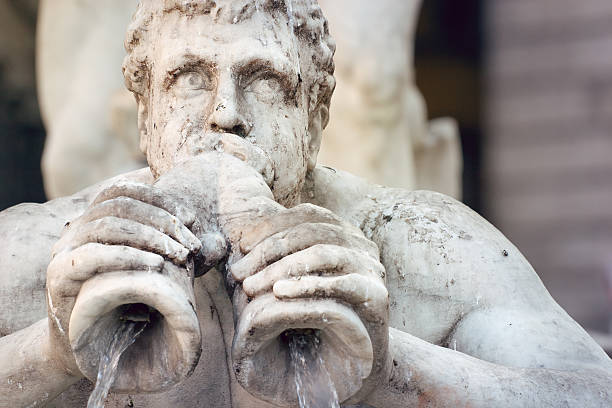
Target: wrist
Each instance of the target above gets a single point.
(56, 352)
(396, 386)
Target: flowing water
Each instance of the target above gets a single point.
(123, 338)
(312, 381)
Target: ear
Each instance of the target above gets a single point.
(143, 118)
(317, 123)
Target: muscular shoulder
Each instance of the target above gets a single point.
(435, 247)
(442, 259)
(28, 231)
(407, 223)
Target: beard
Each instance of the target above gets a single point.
(284, 177)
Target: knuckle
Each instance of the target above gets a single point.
(305, 207)
(52, 272)
(116, 205)
(57, 249)
(54, 283)
(157, 261)
(314, 210)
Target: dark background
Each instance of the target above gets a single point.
(21, 131)
(448, 59)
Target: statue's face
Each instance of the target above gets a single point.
(208, 79)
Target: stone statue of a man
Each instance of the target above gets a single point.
(463, 320)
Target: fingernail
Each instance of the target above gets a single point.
(283, 289)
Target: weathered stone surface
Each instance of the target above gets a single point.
(378, 128)
(418, 299)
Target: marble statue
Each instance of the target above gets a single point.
(378, 127)
(89, 116)
(233, 236)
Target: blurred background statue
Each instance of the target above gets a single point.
(89, 115)
(378, 125)
(378, 130)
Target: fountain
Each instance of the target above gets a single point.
(168, 348)
(123, 338)
(270, 333)
(313, 384)
(414, 261)
(261, 348)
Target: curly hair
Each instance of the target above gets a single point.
(308, 25)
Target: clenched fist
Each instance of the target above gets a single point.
(307, 252)
(128, 227)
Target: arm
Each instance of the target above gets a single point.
(29, 373)
(427, 375)
(454, 280)
(457, 281)
(32, 371)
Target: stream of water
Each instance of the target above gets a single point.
(312, 381)
(123, 338)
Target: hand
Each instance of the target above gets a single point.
(308, 252)
(129, 226)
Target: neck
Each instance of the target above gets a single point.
(346, 195)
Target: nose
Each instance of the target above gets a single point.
(227, 114)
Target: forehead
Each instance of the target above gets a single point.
(259, 36)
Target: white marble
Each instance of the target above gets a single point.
(419, 300)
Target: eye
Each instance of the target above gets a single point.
(193, 82)
(266, 88)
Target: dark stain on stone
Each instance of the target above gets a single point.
(329, 168)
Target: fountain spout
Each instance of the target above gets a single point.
(226, 194)
(235, 195)
(262, 356)
(169, 347)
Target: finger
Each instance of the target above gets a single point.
(319, 260)
(69, 269)
(148, 194)
(90, 259)
(119, 231)
(296, 239)
(300, 214)
(354, 289)
(147, 214)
